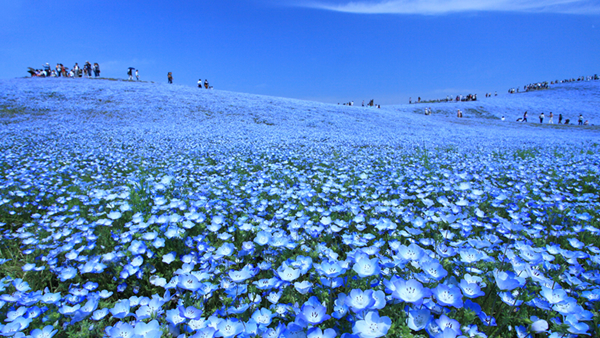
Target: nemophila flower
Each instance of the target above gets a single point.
(413, 252)
(313, 312)
(169, 258)
(121, 329)
(410, 291)
(188, 282)
(189, 312)
(509, 299)
(567, 306)
(67, 273)
(471, 255)
(121, 309)
(149, 330)
(444, 322)
(246, 272)
(434, 270)
(12, 315)
(538, 325)
(553, 296)
(575, 326)
(262, 317)
(418, 319)
(359, 300)
(507, 281)
(330, 269)
(229, 328)
(303, 287)
(14, 327)
(46, 332)
(470, 290)
(288, 274)
(372, 326)
(316, 332)
(99, 314)
(365, 267)
(445, 251)
(205, 332)
(448, 295)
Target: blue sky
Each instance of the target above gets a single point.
(328, 51)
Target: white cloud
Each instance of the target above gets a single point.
(433, 7)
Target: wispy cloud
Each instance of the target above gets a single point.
(435, 7)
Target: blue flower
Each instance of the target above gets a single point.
(316, 332)
(262, 317)
(46, 332)
(507, 281)
(418, 319)
(229, 328)
(365, 267)
(410, 291)
(359, 300)
(448, 295)
(121, 309)
(313, 312)
(470, 290)
(372, 326)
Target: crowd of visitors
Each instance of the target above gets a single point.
(542, 117)
(62, 71)
(458, 98)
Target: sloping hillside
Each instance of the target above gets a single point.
(192, 112)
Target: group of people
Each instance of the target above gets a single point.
(206, 86)
(581, 78)
(130, 73)
(551, 119)
(459, 98)
(62, 71)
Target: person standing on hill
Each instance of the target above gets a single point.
(199, 83)
(170, 77)
(525, 117)
(550, 118)
(542, 118)
(130, 74)
(559, 118)
(137, 74)
(580, 120)
(206, 83)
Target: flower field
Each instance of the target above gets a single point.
(147, 210)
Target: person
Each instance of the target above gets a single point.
(525, 117)
(567, 121)
(130, 74)
(200, 84)
(542, 117)
(550, 118)
(96, 69)
(458, 113)
(410, 100)
(580, 120)
(419, 99)
(137, 74)
(170, 77)
(586, 123)
(75, 68)
(559, 118)
(502, 118)
(206, 83)
(58, 71)
(363, 104)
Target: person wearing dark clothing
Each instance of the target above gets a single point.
(559, 118)
(170, 77)
(580, 120)
(525, 117)
(206, 83)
